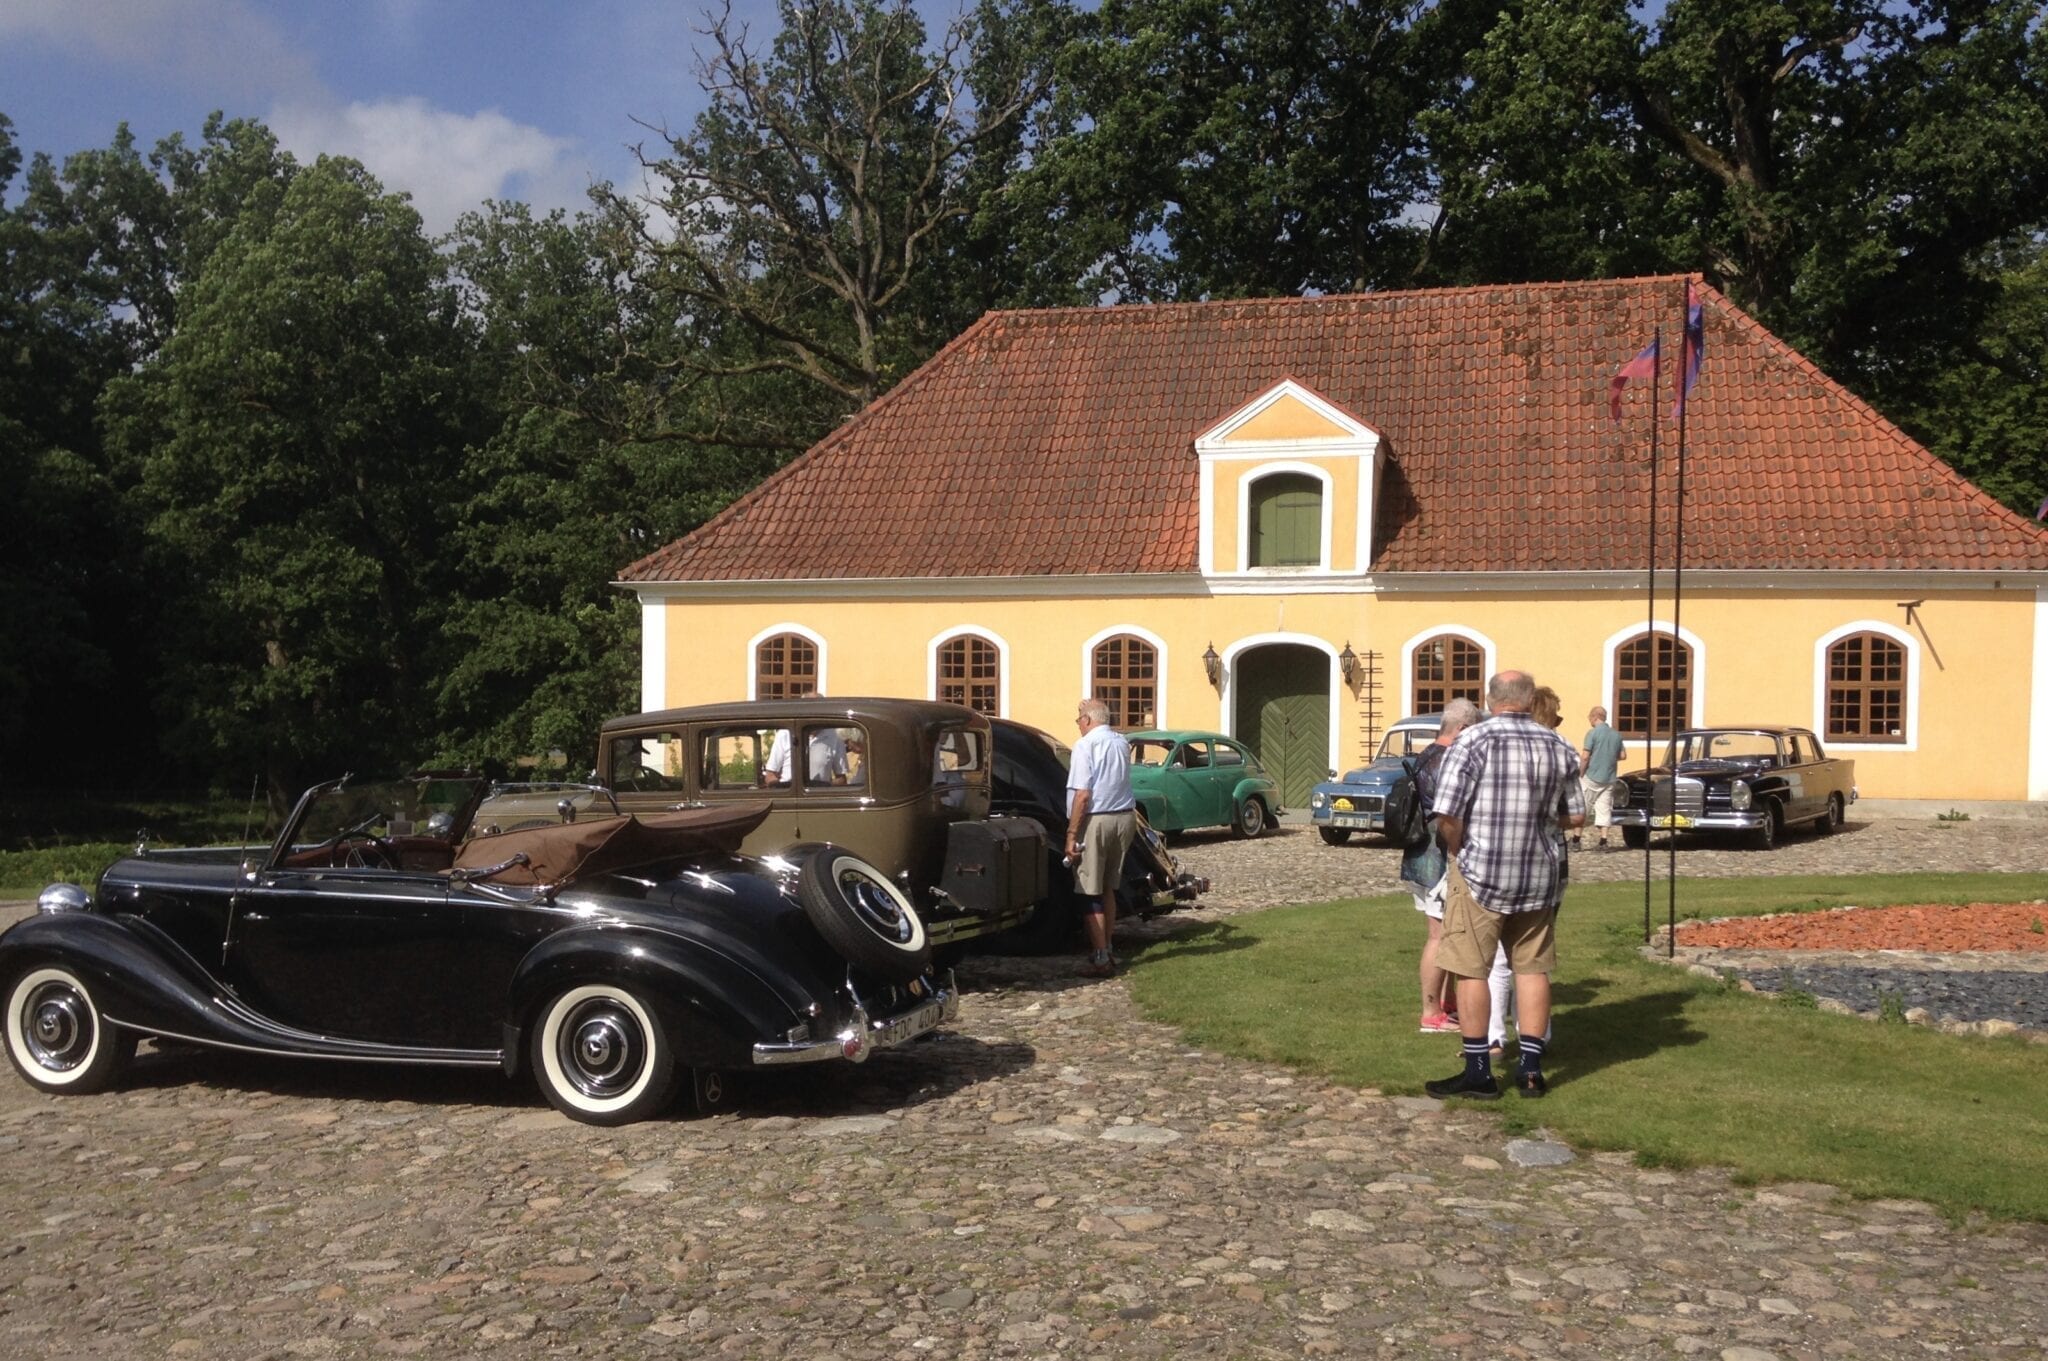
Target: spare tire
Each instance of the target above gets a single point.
(863, 916)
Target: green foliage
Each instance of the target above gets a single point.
(1216, 150)
(1891, 1008)
(1952, 815)
(295, 437)
(1868, 178)
(1684, 1070)
(812, 196)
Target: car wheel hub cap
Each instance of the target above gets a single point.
(602, 1052)
(877, 909)
(59, 1029)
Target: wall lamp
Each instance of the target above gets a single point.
(1347, 662)
(1213, 664)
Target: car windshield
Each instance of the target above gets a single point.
(1150, 751)
(1407, 741)
(426, 805)
(1720, 746)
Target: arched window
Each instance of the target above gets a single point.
(1126, 677)
(1287, 521)
(971, 673)
(785, 667)
(1867, 689)
(1447, 667)
(1652, 688)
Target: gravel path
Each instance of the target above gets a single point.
(1053, 1176)
(1978, 995)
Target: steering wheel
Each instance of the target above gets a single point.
(368, 855)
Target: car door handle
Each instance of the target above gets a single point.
(248, 916)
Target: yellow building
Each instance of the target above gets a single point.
(1298, 520)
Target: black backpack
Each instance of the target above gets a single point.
(1407, 815)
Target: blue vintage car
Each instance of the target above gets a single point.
(1357, 803)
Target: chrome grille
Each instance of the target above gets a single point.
(1691, 798)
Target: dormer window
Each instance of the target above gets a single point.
(1286, 521)
(1287, 487)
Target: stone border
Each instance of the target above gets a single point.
(1715, 962)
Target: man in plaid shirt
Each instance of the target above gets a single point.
(1506, 792)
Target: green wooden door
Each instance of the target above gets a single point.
(1283, 715)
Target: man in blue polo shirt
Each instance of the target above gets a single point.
(1505, 789)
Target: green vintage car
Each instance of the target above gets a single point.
(1201, 779)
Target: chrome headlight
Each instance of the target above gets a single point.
(1619, 798)
(63, 898)
(1739, 796)
(1315, 800)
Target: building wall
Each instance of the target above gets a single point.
(1973, 714)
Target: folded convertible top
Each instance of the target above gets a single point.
(563, 853)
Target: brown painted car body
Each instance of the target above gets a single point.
(904, 784)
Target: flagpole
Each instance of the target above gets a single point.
(1685, 362)
(1650, 590)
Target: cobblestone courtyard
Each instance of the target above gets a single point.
(1053, 1176)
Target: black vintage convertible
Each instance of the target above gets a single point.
(439, 920)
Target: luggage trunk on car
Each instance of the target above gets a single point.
(994, 865)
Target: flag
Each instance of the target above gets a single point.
(2042, 513)
(1643, 365)
(1692, 346)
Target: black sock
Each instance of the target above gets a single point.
(1478, 1064)
(1532, 1052)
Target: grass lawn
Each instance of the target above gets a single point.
(1683, 1070)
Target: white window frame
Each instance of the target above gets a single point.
(1486, 650)
(1610, 649)
(1136, 631)
(1281, 468)
(811, 636)
(1820, 686)
(1002, 646)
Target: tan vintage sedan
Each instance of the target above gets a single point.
(903, 784)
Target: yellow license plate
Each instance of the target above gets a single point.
(1340, 805)
(1674, 820)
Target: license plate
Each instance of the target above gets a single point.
(1673, 821)
(1354, 820)
(911, 1024)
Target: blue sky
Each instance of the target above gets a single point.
(453, 101)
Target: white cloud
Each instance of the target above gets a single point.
(224, 47)
(449, 162)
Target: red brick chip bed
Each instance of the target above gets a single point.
(1944, 928)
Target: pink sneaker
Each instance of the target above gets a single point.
(1437, 1023)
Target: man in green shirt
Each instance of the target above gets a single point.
(1600, 757)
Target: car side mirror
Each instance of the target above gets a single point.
(1330, 775)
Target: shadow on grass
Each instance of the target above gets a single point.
(1598, 1035)
(1211, 938)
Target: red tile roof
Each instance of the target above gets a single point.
(1061, 442)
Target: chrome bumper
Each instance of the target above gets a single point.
(863, 1035)
(1689, 822)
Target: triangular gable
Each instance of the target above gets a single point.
(1289, 413)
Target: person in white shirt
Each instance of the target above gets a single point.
(1102, 822)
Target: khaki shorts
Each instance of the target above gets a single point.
(1104, 842)
(1472, 934)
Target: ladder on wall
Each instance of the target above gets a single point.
(1368, 674)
